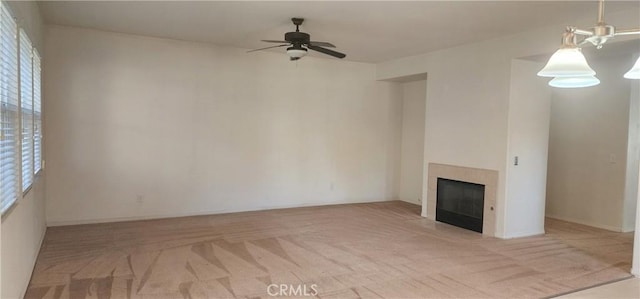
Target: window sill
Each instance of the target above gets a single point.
(13, 205)
(36, 176)
(26, 191)
(10, 209)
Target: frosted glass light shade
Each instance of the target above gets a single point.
(574, 82)
(567, 62)
(634, 72)
(296, 53)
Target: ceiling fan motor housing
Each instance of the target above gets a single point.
(297, 37)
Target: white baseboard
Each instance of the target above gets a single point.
(411, 202)
(51, 223)
(587, 223)
(523, 234)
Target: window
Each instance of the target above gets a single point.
(26, 109)
(20, 113)
(37, 115)
(9, 141)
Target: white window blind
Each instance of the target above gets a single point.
(26, 105)
(8, 110)
(37, 114)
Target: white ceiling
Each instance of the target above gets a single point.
(365, 31)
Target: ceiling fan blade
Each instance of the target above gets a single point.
(267, 48)
(322, 44)
(327, 51)
(274, 41)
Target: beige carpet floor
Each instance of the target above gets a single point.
(345, 251)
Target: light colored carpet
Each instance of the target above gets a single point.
(343, 251)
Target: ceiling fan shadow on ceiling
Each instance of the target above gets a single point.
(298, 43)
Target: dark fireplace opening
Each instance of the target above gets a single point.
(460, 204)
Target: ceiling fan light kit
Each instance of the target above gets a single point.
(296, 53)
(568, 65)
(298, 43)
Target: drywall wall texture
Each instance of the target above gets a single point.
(466, 118)
(22, 233)
(633, 159)
(528, 136)
(24, 226)
(143, 127)
(588, 148)
(466, 115)
(412, 150)
(631, 207)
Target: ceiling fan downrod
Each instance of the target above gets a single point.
(297, 22)
(598, 35)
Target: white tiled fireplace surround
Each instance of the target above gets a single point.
(488, 178)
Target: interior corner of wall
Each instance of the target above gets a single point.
(500, 235)
(424, 208)
(626, 229)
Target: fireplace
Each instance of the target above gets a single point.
(486, 177)
(460, 203)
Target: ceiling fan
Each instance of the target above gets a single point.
(298, 43)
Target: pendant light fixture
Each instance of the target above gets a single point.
(568, 65)
(568, 60)
(574, 81)
(634, 72)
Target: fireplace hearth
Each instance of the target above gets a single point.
(460, 203)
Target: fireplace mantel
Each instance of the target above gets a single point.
(486, 177)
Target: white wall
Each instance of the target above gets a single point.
(143, 127)
(633, 159)
(23, 227)
(412, 149)
(468, 99)
(635, 266)
(465, 115)
(23, 230)
(588, 148)
(528, 135)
